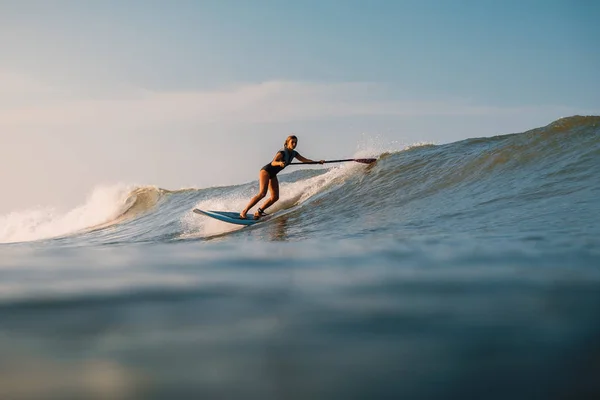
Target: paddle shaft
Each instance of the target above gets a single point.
(360, 160)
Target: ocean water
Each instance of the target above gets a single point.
(466, 270)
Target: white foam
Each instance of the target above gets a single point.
(104, 204)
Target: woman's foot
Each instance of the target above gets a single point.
(259, 213)
(243, 214)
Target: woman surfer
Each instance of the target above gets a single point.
(268, 176)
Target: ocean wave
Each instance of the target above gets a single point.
(421, 181)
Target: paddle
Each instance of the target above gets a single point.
(359, 160)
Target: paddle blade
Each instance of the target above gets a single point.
(365, 160)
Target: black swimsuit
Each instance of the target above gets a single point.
(273, 171)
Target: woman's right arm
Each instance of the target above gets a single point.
(278, 160)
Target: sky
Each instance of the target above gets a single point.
(203, 93)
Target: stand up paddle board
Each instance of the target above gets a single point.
(231, 217)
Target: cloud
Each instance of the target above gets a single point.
(41, 105)
(20, 91)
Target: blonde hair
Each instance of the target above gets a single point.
(291, 137)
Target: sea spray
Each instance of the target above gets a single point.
(103, 204)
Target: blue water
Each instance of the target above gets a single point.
(465, 270)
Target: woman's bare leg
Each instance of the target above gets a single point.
(274, 189)
(263, 181)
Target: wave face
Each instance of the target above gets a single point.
(540, 183)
